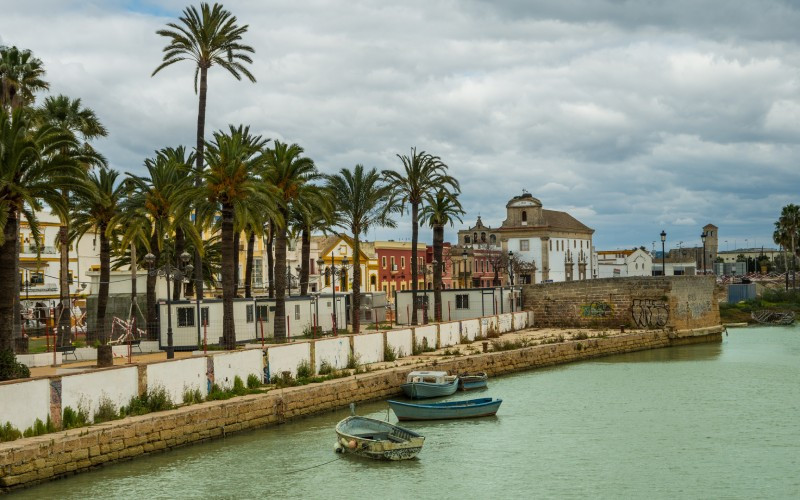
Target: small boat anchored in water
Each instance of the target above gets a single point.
(472, 381)
(376, 439)
(482, 407)
(429, 384)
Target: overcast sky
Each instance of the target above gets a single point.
(633, 116)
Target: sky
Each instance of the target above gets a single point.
(633, 116)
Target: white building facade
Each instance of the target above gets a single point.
(622, 263)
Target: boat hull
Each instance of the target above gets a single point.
(473, 382)
(376, 439)
(472, 408)
(423, 390)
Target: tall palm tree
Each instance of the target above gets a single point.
(32, 171)
(422, 174)
(440, 210)
(790, 222)
(781, 238)
(289, 172)
(95, 210)
(232, 185)
(362, 200)
(206, 37)
(21, 76)
(158, 203)
(70, 116)
(311, 211)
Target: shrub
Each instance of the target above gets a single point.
(304, 370)
(353, 361)
(464, 339)
(9, 432)
(10, 368)
(389, 353)
(39, 428)
(238, 386)
(284, 379)
(155, 399)
(253, 382)
(106, 410)
(580, 336)
(452, 352)
(72, 419)
(218, 393)
(509, 345)
(192, 396)
(325, 367)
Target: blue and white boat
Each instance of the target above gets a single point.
(482, 407)
(472, 381)
(428, 384)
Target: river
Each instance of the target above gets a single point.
(703, 421)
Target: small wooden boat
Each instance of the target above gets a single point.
(481, 407)
(376, 439)
(425, 384)
(767, 317)
(472, 381)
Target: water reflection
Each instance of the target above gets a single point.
(696, 352)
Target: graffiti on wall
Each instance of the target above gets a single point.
(596, 310)
(649, 313)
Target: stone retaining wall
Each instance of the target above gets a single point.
(27, 461)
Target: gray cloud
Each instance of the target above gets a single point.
(634, 116)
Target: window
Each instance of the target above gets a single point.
(394, 266)
(492, 239)
(551, 245)
(524, 245)
(37, 278)
(422, 301)
(185, 316)
(69, 277)
(327, 277)
(258, 274)
(383, 262)
(204, 315)
(475, 237)
(466, 239)
(462, 301)
(524, 216)
(483, 237)
(574, 242)
(249, 313)
(262, 313)
(297, 311)
(402, 262)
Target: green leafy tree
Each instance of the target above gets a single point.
(789, 222)
(422, 174)
(362, 200)
(21, 76)
(440, 210)
(206, 37)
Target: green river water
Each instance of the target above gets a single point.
(715, 420)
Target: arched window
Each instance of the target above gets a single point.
(475, 237)
(524, 216)
(466, 239)
(492, 238)
(483, 237)
(373, 281)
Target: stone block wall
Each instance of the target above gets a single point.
(672, 302)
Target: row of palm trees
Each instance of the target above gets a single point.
(787, 235)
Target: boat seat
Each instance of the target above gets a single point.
(395, 439)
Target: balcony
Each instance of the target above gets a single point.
(31, 249)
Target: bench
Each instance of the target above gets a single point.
(66, 350)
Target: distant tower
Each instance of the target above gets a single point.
(712, 244)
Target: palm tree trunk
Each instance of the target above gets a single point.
(280, 279)
(201, 128)
(102, 293)
(180, 244)
(9, 280)
(414, 270)
(228, 276)
(438, 243)
(248, 273)
(64, 328)
(153, 327)
(271, 260)
(356, 300)
(236, 277)
(794, 259)
(305, 255)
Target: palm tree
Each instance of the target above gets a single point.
(311, 211)
(232, 186)
(21, 75)
(790, 222)
(289, 172)
(32, 171)
(208, 37)
(781, 238)
(95, 210)
(70, 116)
(423, 174)
(158, 203)
(440, 210)
(362, 200)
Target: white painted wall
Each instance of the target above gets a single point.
(285, 358)
(488, 324)
(24, 402)
(505, 322)
(229, 365)
(520, 320)
(40, 359)
(179, 375)
(85, 390)
(471, 328)
(429, 333)
(400, 341)
(333, 350)
(368, 347)
(449, 334)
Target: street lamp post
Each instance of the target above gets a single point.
(663, 259)
(333, 270)
(170, 272)
(703, 237)
(511, 267)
